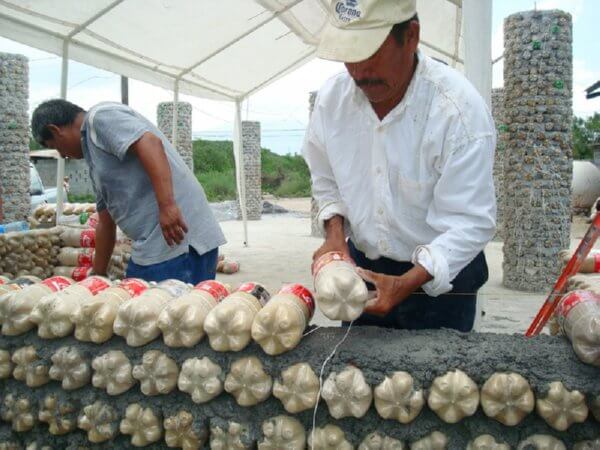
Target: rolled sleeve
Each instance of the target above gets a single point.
(463, 211)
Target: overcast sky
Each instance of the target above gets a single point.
(282, 107)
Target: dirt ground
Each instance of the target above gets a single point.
(280, 248)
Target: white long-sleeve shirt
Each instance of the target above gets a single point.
(416, 186)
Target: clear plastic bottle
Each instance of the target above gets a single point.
(94, 318)
(52, 314)
(17, 308)
(340, 292)
(182, 320)
(137, 318)
(578, 317)
(229, 324)
(279, 325)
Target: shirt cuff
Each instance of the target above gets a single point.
(329, 210)
(435, 263)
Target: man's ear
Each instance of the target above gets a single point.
(53, 129)
(413, 34)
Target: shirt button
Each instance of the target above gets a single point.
(378, 170)
(380, 211)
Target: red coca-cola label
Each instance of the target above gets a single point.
(93, 221)
(597, 263)
(80, 273)
(94, 284)
(303, 294)
(217, 290)
(87, 239)
(329, 257)
(57, 283)
(85, 257)
(573, 299)
(256, 290)
(134, 286)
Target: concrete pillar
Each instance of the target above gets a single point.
(538, 68)
(501, 127)
(14, 137)
(251, 159)
(164, 115)
(314, 206)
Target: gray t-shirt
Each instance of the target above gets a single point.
(123, 187)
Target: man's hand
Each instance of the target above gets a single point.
(331, 245)
(392, 290)
(335, 240)
(172, 224)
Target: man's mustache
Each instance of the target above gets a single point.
(370, 82)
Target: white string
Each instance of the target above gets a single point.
(314, 419)
(312, 331)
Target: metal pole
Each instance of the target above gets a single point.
(60, 169)
(241, 178)
(124, 90)
(175, 114)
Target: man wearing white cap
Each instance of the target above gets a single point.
(400, 149)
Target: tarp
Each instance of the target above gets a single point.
(223, 49)
(218, 49)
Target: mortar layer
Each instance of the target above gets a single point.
(377, 352)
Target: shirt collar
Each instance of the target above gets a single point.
(362, 102)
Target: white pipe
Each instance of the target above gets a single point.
(60, 168)
(239, 164)
(477, 38)
(175, 114)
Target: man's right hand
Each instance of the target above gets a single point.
(335, 240)
(332, 245)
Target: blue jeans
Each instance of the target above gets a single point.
(190, 267)
(455, 309)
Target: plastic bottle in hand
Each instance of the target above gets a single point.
(578, 317)
(340, 292)
(229, 324)
(279, 325)
(182, 320)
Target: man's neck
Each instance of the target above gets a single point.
(382, 109)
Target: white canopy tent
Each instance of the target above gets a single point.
(225, 49)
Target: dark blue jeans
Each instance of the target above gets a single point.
(189, 267)
(455, 309)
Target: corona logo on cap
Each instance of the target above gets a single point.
(347, 10)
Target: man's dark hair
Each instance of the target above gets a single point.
(399, 29)
(57, 112)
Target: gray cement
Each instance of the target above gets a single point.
(538, 89)
(14, 138)
(377, 352)
(502, 136)
(251, 160)
(164, 119)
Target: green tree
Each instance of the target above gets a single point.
(585, 133)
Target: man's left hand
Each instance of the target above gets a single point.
(392, 290)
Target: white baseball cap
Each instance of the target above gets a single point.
(357, 28)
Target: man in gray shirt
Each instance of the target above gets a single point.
(141, 184)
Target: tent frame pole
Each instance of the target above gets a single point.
(60, 168)
(174, 127)
(238, 150)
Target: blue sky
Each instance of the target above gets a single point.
(282, 107)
